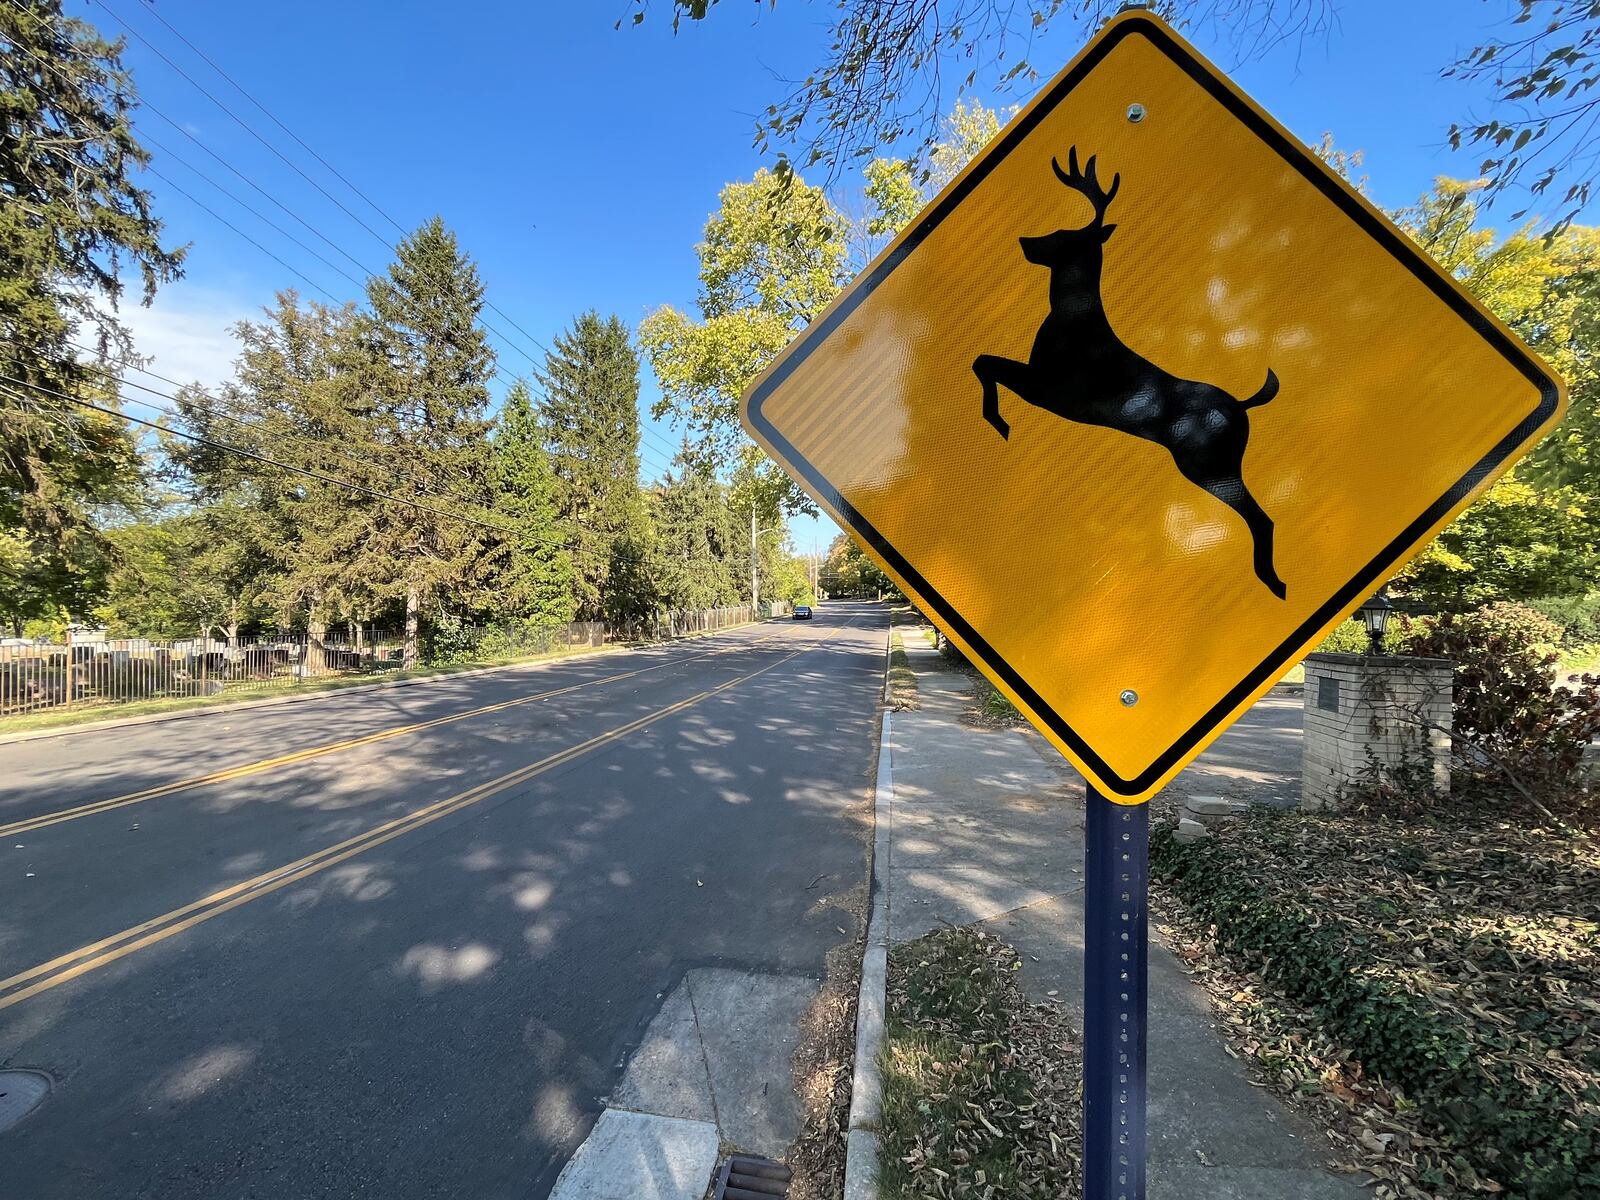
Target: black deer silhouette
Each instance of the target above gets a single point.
(1079, 369)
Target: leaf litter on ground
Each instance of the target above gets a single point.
(982, 1088)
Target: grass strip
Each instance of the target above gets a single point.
(981, 1089)
(902, 679)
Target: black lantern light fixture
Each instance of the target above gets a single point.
(1375, 615)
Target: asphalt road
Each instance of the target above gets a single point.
(412, 967)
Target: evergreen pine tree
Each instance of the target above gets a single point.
(533, 577)
(73, 226)
(591, 405)
(434, 364)
(301, 545)
(696, 552)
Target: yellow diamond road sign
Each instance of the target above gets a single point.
(1144, 403)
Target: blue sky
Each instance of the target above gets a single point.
(578, 162)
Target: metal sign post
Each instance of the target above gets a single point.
(1115, 997)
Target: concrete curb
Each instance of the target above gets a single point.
(35, 735)
(866, 1088)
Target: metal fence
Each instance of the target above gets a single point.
(672, 623)
(95, 671)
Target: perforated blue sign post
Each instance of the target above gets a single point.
(1115, 997)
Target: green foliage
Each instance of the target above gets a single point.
(1566, 329)
(453, 642)
(1505, 704)
(995, 707)
(902, 680)
(590, 385)
(145, 596)
(1578, 617)
(896, 190)
(847, 571)
(533, 579)
(42, 577)
(1521, 1131)
(1349, 637)
(1543, 284)
(697, 562)
(773, 255)
(630, 593)
(888, 69)
(785, 576)
(1518, 541)
(73, 225)
(1539, 75)
(893, 196)
(1534, 533)
(280, 540)
(431, 363)
(772, 248)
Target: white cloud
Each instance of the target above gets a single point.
(186, 334)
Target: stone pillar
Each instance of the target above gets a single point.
(1360, 707)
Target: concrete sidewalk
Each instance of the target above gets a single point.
(987, 827)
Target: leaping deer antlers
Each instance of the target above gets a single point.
(1084, 181)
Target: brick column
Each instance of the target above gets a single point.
(1359, 707)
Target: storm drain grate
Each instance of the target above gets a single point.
(20, 1093)
(746, 1177)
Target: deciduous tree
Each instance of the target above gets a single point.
(772, 258)
(697, 562)
(891, 68)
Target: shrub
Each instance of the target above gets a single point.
(1578, 616)
(1506, 704)
(451, 641)
(1347, 638)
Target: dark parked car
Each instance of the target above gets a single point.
(802, 612)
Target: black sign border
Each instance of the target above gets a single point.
(1365, 581)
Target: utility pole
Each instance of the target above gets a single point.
(755, 561)
(755, 571)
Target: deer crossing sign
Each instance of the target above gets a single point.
(1144, 403)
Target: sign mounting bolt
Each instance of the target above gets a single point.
(1129, 697)
(1136, 112)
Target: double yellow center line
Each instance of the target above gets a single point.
(28, 824)
(59, 970)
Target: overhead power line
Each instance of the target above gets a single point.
(263, 218)
(649, 443)
(291, 164)
(489, 327)
(242, 452)
(218, 217)
(333, 170)
(241, 422)
(242, 123)
(271, 116)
